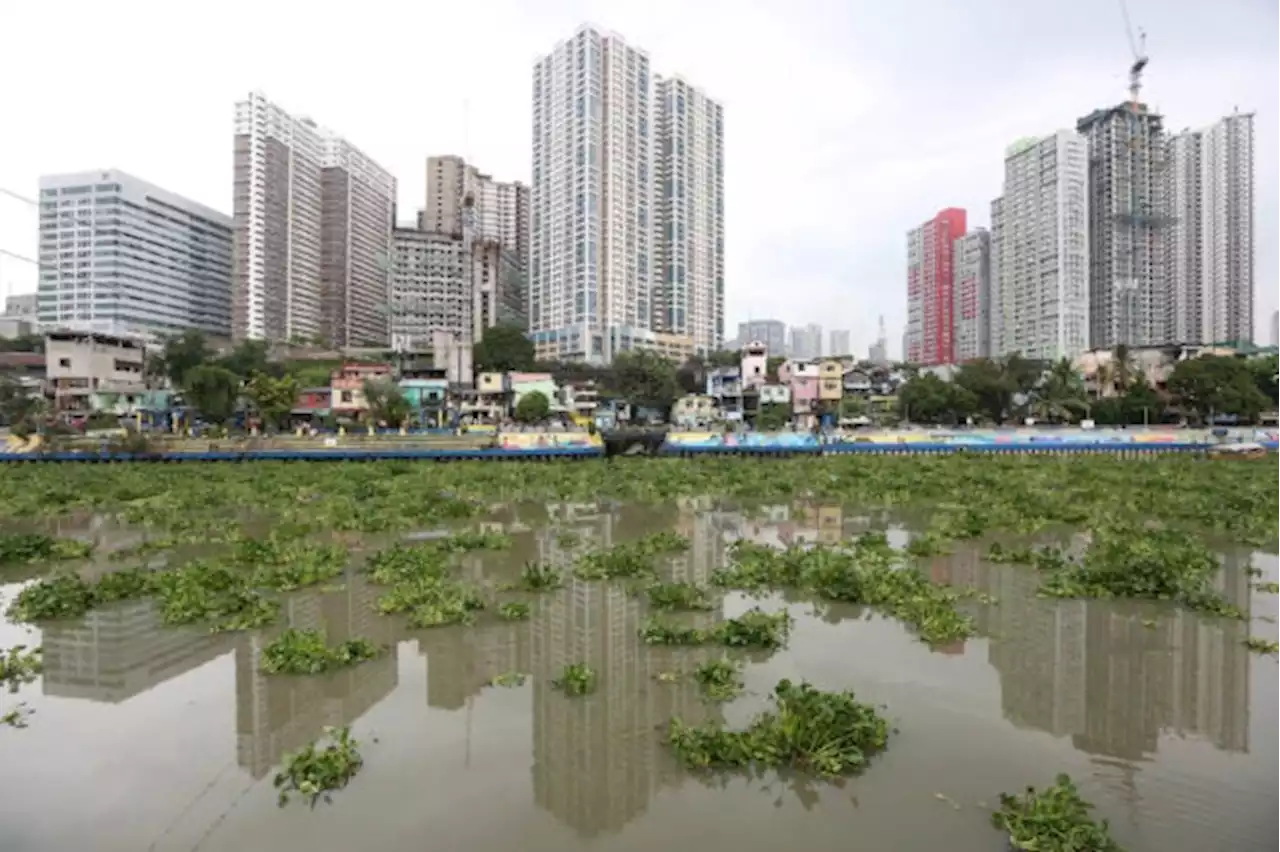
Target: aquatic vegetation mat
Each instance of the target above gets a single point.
(827, 734)
(755, 628)
(1055, 819)
(24, 548)
(631, 559)
(18, 667)
(304, 652)
(318, 770)
(576, 679)
(720, 680)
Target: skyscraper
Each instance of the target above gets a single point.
(971, 295)
(1127, 223)
(119, 255)
(591, 254)
(840, 342)
(459, 194)
(1209, 266)
(688, 286)
(806, 342)
(929, 303)
(312, 231)
(1040, 250)
(772, 333)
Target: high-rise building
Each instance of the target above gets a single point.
(971, 295)
(688, 180)
(460, 195)
(1127, 224)
(313, 218)
(772, 333)
(1040, 250)
(1209, 265)
(929, 303)
(119, 255)
(840, 342)
(1275, 328)
(806, 342)
(357, 212)
(591, 254)
(430, 289)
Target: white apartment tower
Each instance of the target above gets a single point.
(1040, 250)
(688, 285)
(1209, 267)
(459, 195)
(591, 254)
(312, 235)
(971, 295)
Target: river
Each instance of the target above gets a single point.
(152, 738)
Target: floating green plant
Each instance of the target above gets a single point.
(1055, 819)
(568, 539)
(536, 577)
(629, 560)
(514, 611)
(304, 652)
(576, 679)
(23, 548)
(318, 771)
(18, 667)
(1262, 646)
(509, 679)
(679, 596)
(825, 733)
(721, 680)
(755, 628)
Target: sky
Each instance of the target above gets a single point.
(847, 122)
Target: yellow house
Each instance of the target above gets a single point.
(830, 380)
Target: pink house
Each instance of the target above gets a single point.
(804, 380)
(755, 364)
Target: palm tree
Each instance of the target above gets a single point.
(1060, 394)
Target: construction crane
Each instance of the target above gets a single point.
(1138, 47)
(1134, 219)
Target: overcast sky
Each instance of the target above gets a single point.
(847, 123)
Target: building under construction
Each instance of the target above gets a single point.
(1127, 225)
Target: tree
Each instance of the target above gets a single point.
(272, 398)
(22, 343)
(644, 379)
(1212, 385)
(387, 403)
(1264, 372)
(692, 375)
(1061, 394)
(183, 353)
(250, 357)
(533, 407)
(724, 358)
(503, 348)
(928, 399)
(212, 391)
(771, 365)
(773, 417)
(853, 406)
(17, 403)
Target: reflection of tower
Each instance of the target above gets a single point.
(1114, 674)
(279, 713)
(598, 759)
(461, 661)
(114, 653)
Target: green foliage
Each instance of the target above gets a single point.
(631, 559)
(1262, 646)
(387, 403)
(314, 772)
(25, 548)
(576, 679)
(867, 572)
(773, 417)
(422, 586)
(928, 399)
(1055, 819)
(720, 680)
(1211, 385)
(212, 391)
(535, 577)
(642, 378)
(514, 611)
(828, 734)
(183, 353)
(18, 667)
(250, 358)
(1139, 561)
(304, 652)
(272, 398)
(685, 596)
(755, 628)
(503, 348)
(509, 679)
(533, 407)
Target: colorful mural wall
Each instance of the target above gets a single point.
(680, 441)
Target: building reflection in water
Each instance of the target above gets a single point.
(280, 714)
(122, 650)
(599, 760)
(1114, 675)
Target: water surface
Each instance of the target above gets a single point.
(153, 738)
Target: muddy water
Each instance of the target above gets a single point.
(151, 738)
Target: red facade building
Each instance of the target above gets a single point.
(930, 312)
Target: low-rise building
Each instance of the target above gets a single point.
(695, 410)
(83, 366)
(775, 395)
(755, 364)
(830, 380)
(803, 379)
(347, 387)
